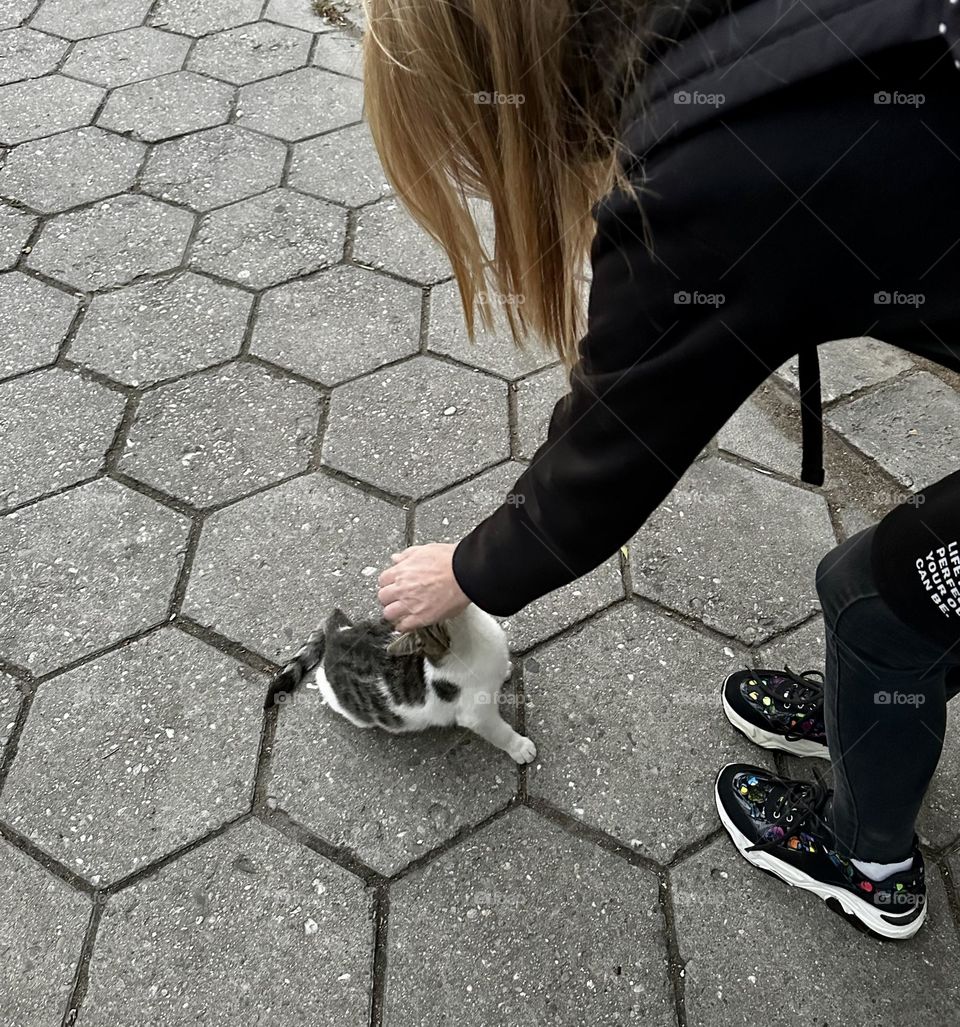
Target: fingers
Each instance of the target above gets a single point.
(388, 576)
(389, 594)
(394, 613)
(401, 619)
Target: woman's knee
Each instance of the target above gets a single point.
(845, 574)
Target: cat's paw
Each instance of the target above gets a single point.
(523, 750)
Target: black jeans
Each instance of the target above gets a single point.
(885, 708)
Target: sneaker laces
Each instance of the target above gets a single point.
(795, 806)
(807, 688)
(803, 689)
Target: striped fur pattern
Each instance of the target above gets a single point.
(448, 674)
(306, 658)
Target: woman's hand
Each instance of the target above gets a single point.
(420, 589)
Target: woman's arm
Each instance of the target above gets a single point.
(676, 342)
(677, 339)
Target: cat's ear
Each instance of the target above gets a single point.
(435, 642)
(407, 644)
(338, 619)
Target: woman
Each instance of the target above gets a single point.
(796, 165)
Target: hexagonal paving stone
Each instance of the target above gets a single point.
(536, 397)
(66, 170)
(340, 324)
(78, 19)
(450, 516)
(28, 54)
(414, 790)
(251, 925)
(170, 105)
(718, 550)
(341, 53)
(144, 333)
(15, 12)
(213, 168)
(849, 365)
(387, 237)
(130, 757)
(112, 243)
(342, 166)
(34, 318)
(269, 568)
(10, 697)
(129, 56)
(42, 923)
(737, 927)
(15, 229)
(493, 351)
(56, 429)
(200, 17)
(300, 104)
(44, 106)
(910, 427)
(84, 569)
(622, 712)
(270, 238)
(301, 14)
(579, 930)
(250, 53)
(221, 434)
(765, 430)
(415, 427)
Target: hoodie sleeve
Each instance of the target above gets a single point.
(668, 356)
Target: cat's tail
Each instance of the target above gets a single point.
(307, 657)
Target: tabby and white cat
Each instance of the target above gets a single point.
(445, 675)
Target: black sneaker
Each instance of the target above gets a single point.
(778, 709)
(777, 825)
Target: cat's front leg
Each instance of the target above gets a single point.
(484, 720)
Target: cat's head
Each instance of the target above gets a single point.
(432, 642)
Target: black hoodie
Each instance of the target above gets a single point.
(786, 208)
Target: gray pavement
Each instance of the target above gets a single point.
(233, 379)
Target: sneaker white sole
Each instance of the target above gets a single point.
(769, 739)
(867, 914)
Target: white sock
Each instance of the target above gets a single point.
(879, 871)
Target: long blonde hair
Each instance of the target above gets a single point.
(503, 100)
